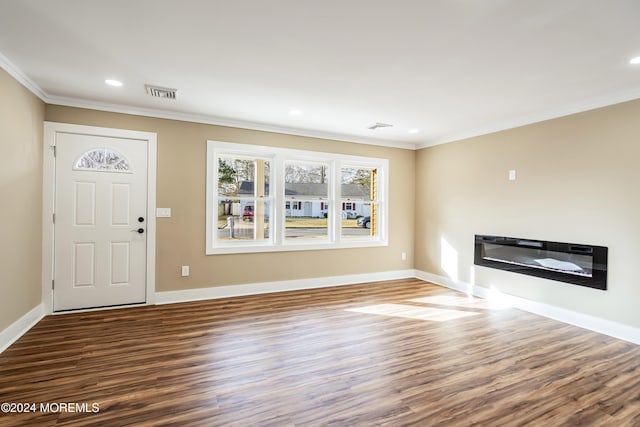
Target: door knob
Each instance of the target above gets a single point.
(138, 230)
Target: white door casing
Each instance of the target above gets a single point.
(98, 257)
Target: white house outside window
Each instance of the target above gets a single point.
(272, 199)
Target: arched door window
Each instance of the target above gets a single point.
(102, 160)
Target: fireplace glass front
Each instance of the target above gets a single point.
(578, 264)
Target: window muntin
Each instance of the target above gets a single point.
(310, 188)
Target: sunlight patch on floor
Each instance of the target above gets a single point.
(413, 312)
(460, 301)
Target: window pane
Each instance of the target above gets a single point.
(306, 180)
(358, 191)
(305, 220)
(358, 184)
(306, 205)
(243, 177)
(363, 224)
(243, 220)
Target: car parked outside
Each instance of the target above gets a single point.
(364, 222)
(247, 213)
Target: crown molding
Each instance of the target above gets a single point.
(582, 107)
(588, 105)
(21, 77)
(221, 121)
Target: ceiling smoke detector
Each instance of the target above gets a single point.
(379, 125)
(161, 92)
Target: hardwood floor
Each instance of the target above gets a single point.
(390, 353)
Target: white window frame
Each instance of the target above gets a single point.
(277, 158)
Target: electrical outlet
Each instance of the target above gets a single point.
(512, 175)
(404, 256)
(185, 270)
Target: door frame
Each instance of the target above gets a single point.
(51, 130)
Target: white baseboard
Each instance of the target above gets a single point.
(18, 328)
(215, 292)
(607, 327)
(586, 321)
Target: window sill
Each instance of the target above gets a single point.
(288, 247)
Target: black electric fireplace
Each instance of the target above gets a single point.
(583, 265)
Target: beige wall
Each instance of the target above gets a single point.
(21, 117)
(578, 181)
(181, 187)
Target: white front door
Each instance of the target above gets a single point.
(100, 224)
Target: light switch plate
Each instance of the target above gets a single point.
(163, 212)
(512, 175)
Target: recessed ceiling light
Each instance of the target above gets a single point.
(414, 130)
(115, 83)
(295, 112)
(635, 61)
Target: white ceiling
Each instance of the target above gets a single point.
(450, 68)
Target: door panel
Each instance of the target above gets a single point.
(84, 264)
(101, 191)
(85, 203)
(120, 212)
(120, 257)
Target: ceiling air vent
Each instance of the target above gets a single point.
(161, 92)
(379, 125)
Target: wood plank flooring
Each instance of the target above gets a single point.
(389, 353)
